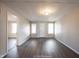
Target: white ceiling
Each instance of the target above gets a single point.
(30, 8)
(12, 17)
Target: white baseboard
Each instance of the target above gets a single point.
(23, 41)
(3, 55)
(69, 47)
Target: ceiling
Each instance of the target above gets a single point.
(12, 17)
(31, 8)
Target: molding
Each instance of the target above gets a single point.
(11, 37)
(3, 55)
(23, 41)
(42, 37)
(77, 52)
(42, 21)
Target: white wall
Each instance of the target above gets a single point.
(67, 29)
(23, 30)
(3, 30)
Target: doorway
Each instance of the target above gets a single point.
(11, 30)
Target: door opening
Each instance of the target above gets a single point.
(11, 31)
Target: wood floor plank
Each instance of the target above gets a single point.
(42, 48)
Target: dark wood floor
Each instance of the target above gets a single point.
(11, 43)
(42, 48)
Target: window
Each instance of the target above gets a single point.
(14, 27)
(33, 28)
(50, 28)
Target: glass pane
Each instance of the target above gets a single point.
(33, 29)
(14, 27)
(50, 28)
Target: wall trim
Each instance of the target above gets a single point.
(23, 41)
(11, 37)
(3, 55)
(69, 47)
(42, 37)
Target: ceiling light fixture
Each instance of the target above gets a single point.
(47, 11)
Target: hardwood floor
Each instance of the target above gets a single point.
(42, 48)
(11, 43)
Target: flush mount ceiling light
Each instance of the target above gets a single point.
(47, 11)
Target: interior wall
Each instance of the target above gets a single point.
(67, 29)
(41, 30)
(23, 30)
(3, 30)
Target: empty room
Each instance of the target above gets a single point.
(39, 28)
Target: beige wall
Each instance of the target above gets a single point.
(23, 30)
(3, 30)
(68, 29)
